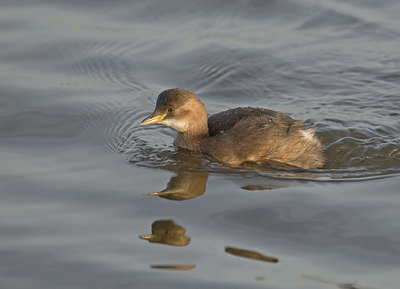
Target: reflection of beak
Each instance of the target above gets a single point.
(153, 118)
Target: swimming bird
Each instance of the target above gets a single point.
(237, 136)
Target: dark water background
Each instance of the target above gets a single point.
(77, 77)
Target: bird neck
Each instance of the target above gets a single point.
(192, 140)
(195, 132)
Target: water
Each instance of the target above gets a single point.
(90, 199)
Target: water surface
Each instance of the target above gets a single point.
(90, 199)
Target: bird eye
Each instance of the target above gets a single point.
(170, 109)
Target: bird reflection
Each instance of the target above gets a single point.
(174, 267)
(167, 232)
(184, 186)
(250, 254)
(187, 185)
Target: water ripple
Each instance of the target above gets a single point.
(352, 100)
(351, 152)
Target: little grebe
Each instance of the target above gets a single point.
(238, 135)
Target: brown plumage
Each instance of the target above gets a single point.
(237, 136)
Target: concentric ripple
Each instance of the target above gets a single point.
(350, 153)
(352, 98)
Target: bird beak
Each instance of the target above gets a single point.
(153, 118)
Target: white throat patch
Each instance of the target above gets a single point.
(180, 126)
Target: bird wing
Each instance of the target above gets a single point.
(248, 118)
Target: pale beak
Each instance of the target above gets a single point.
(153, 118)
